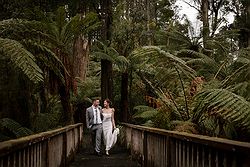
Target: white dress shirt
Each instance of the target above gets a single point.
(98, 119)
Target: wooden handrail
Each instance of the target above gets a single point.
(210, 141)
(157, 147)
(40, 149)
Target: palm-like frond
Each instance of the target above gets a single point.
(47, 58)
(176, 39)
(144, 115)
(224, 104)
(21, 58)
(155, 56)
(50, 118)
(104, 52)
(79, 25)
(169, 103)
(14, 128)
(203, 64)
(239, 79)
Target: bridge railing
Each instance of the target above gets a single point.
(48, 149)
(161, 148)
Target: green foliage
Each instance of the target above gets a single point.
(144, 114)
(87, 90)
(21, 58)
(162, 119)
(50, 119)
(238, 80)
(184, 126)
(102, 51)
(158, 57)
(223, 104)
(12, 129)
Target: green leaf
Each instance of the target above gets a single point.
(21, 58)
(223, 104)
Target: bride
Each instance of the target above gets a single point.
(110, 136)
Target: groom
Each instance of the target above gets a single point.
(94, 123)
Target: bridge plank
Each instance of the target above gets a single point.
(119, 157)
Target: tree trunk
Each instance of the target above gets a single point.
(65, 101)
(124, 97)
(65, 88)
(149, 42)
(205, 21)
(106, 80)
(106, 66)
(80, 59)
(248, 23)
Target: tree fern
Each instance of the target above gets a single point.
(203, 64)
(49, 119)
(14, 129)
(102, 51)
(47, 58)
(158, 57)
(225, 104)
(145, 114)
(21, 58)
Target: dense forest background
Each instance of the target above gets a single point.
(156, 67)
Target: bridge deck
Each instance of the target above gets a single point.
(119, 157)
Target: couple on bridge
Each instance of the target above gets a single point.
(101, 121)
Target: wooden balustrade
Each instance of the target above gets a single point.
(48, 149)
(161, 148)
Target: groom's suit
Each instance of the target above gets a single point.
(94, 123)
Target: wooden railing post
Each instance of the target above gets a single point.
(169, 147)
(145, 151)
(176, 149)
(47, 149)
(47, 152)
(65, 161)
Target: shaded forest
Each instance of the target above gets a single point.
(158, 69)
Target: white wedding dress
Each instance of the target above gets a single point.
(110, 137)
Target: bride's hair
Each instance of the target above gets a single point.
(108, 101)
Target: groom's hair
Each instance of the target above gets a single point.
(95, 100)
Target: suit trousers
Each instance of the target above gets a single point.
(96, 132)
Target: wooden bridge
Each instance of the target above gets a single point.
(149, 147)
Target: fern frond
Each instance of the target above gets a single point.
(102, 51)
(47, 58)
(15, 128)
(148, 123)
(141, 108)
(158, 57)
(21, 58)
(224, 104)
(190, 54)
(145, 114)
(79, 25)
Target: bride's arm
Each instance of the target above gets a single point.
(113, 118)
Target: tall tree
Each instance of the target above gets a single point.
(106, 66)
(205, 21)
